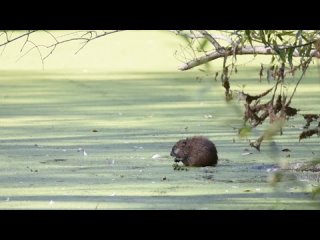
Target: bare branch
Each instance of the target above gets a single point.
(25, 42)
(92, 36)
(85, 38)
(53, 48)
(37, 47)
(16, 38)
(4, 47)
(72, 33)
(51, 35)
(83, 45)
(240, 51)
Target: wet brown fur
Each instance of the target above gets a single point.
(197, 151)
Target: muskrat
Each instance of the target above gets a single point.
(196, 151)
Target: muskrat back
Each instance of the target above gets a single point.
(196, 151)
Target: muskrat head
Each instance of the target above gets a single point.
(178, 150)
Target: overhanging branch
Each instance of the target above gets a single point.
(84, 39)
(7, 41)
(260, 50)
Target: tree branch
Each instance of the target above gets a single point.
(16, 38)
(261, 50)
(211, 39)
(86, 37)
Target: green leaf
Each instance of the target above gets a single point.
(280, 52)
(245, 131)
(288, 33)
(263, 37)
(282, 55)
(290, 54)
(304, 38)
(315, 192)
(203, 44)
(248, 34)
(185, 38)
(269, 36)
(280, 37)
(272, 59)
(309, 47)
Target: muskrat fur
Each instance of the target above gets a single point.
(196, 151)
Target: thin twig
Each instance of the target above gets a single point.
(83, 45)
(16, 38)
(37, 47)
(54, 47)
(211, 39)
(92, 36)
(303, 72)
(51, 35)
(25, 42)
